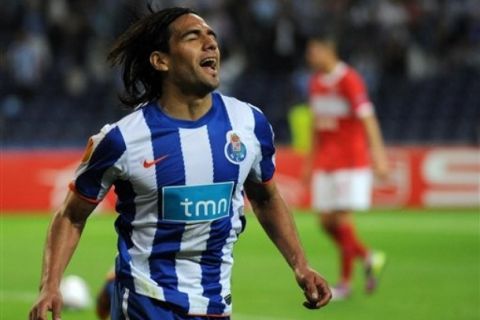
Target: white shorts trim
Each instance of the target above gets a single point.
(125, 304)
(345, 189)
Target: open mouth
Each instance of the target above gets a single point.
(209, 63)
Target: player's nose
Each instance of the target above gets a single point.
(210, 43)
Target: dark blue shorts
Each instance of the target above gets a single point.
(132, 306)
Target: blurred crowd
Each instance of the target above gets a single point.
(56, 87)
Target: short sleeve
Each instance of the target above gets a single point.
(264, 165)
(357, 95)
(103, 162)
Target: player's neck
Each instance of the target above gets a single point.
(330, 66)
(185, 107)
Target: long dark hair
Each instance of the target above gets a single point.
(132, 51)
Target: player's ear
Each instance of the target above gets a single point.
(159, 61)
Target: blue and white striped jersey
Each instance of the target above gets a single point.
(180, 201)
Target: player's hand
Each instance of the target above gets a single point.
(381, 169)
(47, 301)
(315, 288)
(306, 174)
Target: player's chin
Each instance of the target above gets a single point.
(215, 85)
(213, 80)
(211, 77)
(211, 84)
(204, 88)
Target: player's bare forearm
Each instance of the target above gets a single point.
(376, 143)
(278, 223)
(62, 238)
(276, 220)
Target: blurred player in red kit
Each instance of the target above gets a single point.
(346, 145)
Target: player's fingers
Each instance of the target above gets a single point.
(310, 305)
(311, 292)
(41, 313)
(325, 294)
(56, 310)
(33, 312)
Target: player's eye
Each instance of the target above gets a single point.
(191, 37)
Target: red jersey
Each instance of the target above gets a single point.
(339, 100)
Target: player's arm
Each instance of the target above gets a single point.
(356, 93)
(62, 238)
(377, 148)
(278, 223)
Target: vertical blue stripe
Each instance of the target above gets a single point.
(142, 307)
(116, 302)
(125, 205)
(126, 208)
(224, 170)
(263, 132)
(108, 151)
(168, 236)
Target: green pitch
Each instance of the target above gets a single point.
(433, 269)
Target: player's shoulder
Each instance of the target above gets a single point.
(110, 137)
(241, 107)
(351, 74)
(113, 133)
(232, 102)
(134, 116)
(244, 114)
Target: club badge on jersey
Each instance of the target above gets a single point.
(235, 149)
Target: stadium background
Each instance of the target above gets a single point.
(421, 62)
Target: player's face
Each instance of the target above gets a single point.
(318, 54)
(194, 58)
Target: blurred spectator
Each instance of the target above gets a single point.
(28, 58)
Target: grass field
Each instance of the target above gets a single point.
(433, 270)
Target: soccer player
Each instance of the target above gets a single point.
(345, 129)
(180, 163)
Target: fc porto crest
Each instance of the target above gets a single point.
(235, 149)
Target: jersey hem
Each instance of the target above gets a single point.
(192, 310)
(209, 315)
(268, 181)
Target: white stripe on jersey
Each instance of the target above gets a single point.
(195, 146)
(146, 211)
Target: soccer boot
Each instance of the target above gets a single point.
(340, 292)
(374, 266)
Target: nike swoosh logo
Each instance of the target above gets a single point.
(148, 164)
